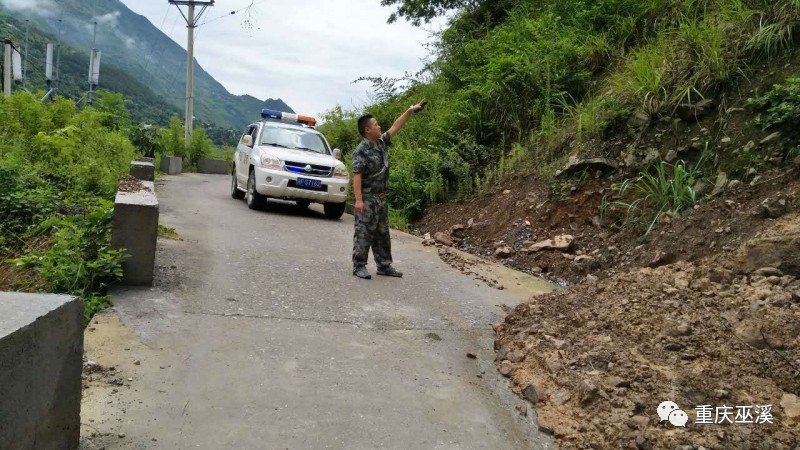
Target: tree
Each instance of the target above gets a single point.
(113, 105)
(418, 11)
(145, 139)
(172, 138)
(200, 147)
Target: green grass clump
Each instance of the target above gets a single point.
(667, 189)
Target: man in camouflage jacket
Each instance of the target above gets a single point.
(370, 185)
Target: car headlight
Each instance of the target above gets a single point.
(270, 162)
(341, 172)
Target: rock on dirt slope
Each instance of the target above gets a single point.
(705, 311)
(602, 356)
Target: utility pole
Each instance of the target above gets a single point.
(95, 54)
(48, 71)
(25, 63)
(7, 67)
(191, 23)
(57, 75)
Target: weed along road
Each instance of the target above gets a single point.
(256, 335)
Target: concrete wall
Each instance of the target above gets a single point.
(171, 165)
(135, 228)
(145, 171)
(213, 166)
(41, 347)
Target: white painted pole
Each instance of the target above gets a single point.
(7, 68)
(190, 77)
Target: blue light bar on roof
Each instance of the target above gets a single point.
(288, 117)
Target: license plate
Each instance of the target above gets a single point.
(309, 183)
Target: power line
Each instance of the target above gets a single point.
(252, 4)
(157, 42)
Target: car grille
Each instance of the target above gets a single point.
(293, 184)
(300, 168)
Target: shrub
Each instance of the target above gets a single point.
(780, 107)
(58, 172)
(668, 189)
(81, 261)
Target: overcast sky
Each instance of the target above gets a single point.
(305, 52)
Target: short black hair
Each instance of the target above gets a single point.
(363, 121)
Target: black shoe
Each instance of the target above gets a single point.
(390, 272)
(361, 272)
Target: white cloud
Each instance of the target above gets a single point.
(107, 19)
(37, 7)
(307, 53)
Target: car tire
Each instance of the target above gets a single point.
(236, 193)
(334, 211)
(303, 204)
(253, 198)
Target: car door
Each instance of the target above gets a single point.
(243, 155)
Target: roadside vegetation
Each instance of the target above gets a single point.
(517, 86)
(59, 170)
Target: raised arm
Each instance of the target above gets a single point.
(401, 121)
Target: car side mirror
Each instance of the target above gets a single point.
(247, 140)
(337, 154)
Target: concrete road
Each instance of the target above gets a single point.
(257, 336)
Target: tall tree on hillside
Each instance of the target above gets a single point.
(418, 11)
(478, 13)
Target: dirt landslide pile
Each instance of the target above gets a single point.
(599, 358)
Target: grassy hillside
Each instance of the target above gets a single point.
(145, 106)
(517, 80)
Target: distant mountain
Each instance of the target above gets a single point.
(136, 53)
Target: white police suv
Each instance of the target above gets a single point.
(283, 157)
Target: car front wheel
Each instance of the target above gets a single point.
(253, 198)
(235, 192)
(334, 211)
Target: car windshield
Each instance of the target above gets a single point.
(294, 138)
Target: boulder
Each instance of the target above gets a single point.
(720, 184)
(506, 368)
(562, 243)
(751, 335)
(639, 119)
(790, 404)
(651, 157)
(443, 239)
(771, 138)
(771, 208)
(530, 394)
(780, 251)
(694, 112)
(591, 164)
(504, 252)
(560, 397)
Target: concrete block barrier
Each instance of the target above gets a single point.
(171, 165)
(41, 350)
(145, 171)
(212, 166)
(135, 228)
